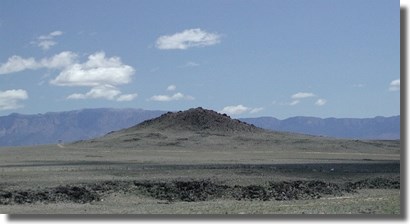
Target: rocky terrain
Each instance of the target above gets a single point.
(214, 163)
(197, 119)
(194, 190)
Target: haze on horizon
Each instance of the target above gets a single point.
(244, 58)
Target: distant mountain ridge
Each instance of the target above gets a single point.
(386, 128)
(68, 126)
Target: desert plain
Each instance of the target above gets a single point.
(202, 162)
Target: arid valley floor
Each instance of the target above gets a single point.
(202, 162)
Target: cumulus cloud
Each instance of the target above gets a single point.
(9, 99)
(45, 42)
(235, 110)
(320, 102)
(97, 71)
(17, 64)
(103, 74)
(127, 97)
(103, 92)
(174, 97)
(59, 61)
(240, 109)
(187, 39)
(298, 97)
(171, 88)
(302, 95)
(394, 85)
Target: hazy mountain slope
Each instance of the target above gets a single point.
(18, 130)
(355, 128)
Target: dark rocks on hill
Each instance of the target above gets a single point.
(197, 119)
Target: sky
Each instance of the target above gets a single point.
(322, 58)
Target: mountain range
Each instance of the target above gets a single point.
(68, 126)
(387, 128)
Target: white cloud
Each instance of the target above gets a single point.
(240, 109)
(235, 110)
(293, 103)
(186, 39)
(59, 61)
(171, 88)
(9, 99)
(127, 97)
(97, 71)
(302, 95)
(174, 97)
(17, 64)
(320, 102)
(256, 110)
(298, 97)
(45, 42)
(394, 85)
(105, 92)
(56, 33)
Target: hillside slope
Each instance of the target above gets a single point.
(200, 129)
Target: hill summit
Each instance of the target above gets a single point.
(197, 119)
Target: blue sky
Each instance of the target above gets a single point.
(324, 58)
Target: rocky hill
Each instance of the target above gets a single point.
(201, 129)
(193, 128)
(197, 119)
